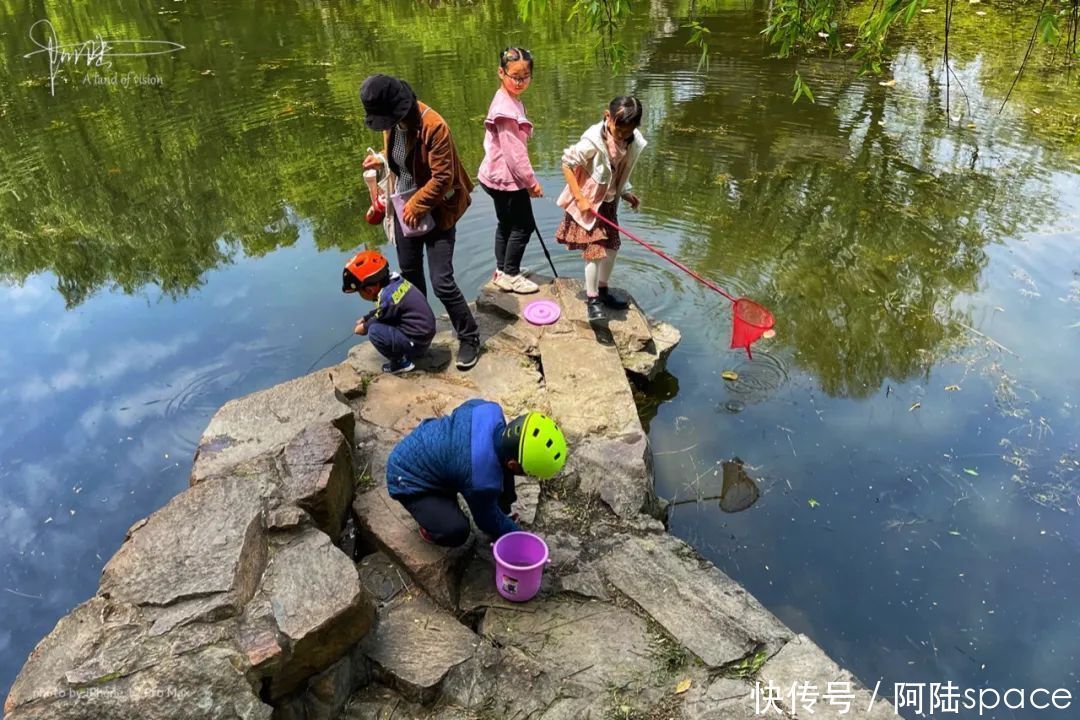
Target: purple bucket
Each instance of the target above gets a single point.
(520, 558)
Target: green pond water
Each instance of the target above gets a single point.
(172, 230)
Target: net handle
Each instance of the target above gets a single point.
(707, 283)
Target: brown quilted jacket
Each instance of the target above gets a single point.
(443, 187)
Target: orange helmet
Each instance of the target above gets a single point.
(369, 267)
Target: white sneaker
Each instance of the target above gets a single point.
(502, 281)
(521, 284)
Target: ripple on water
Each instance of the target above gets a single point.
(758, 380)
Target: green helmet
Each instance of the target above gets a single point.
(537, 443)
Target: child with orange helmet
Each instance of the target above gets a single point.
(402, 325)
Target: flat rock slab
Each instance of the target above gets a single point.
(512, 380)
(200, 685)
(400, 403)
(587, 388)
(415, 644)
(802, 661)
(263, 422)
(629, 328)
(696, 604)
(597, 644)
(318, 604)
(722, 699)
(506, 683)
(619, 470)
(386, 523)
(586, 583)
(208, 540)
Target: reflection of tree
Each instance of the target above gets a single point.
(125, 187)
(130, 186)
(858, 225)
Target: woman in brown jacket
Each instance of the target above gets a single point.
(423, 160)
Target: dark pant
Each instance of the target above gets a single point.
(393, 344)
(513, 208)
(442, 517)
(440, 254)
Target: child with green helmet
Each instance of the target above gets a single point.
(473, 452)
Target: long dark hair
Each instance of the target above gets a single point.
(513, 54)
(626, 110)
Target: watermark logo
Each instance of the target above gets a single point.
(95, 55)
(923, 699)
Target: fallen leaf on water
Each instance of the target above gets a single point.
(914, 406)
(971, 126)
(954, 532)
(730, 375)
(682, 687)
(887, 83)
(928, 10)
(998, 308)
(768, 334)
(980, 13)
(971, 472)
(207, 73)
(812, 503)
(952, 388)
(1037, 111)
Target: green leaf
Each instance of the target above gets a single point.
(911, 8)
(812, 503)
(971, 472)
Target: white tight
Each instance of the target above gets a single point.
(597, 273)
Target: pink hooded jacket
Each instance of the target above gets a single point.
(506, 163)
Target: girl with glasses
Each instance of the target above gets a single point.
(506, 173)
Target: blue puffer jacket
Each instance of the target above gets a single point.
(456, 454)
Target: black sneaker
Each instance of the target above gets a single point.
(596, 309)
(610, 301)
(399, 366)
(467, 355)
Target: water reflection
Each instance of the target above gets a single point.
(160, 252)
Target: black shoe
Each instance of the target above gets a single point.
(596, 309)
(467, 355)
(610, 301)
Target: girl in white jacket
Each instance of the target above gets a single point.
(597, 170)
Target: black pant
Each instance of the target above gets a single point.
(513, 208)
(442, 517)
(440, 253)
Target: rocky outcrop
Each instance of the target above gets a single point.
(250, 429)
(234, 600)
(231, 595)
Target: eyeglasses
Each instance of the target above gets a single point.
(520, 80)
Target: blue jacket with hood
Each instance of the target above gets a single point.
(456, 454)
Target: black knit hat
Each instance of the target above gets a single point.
(387, 100)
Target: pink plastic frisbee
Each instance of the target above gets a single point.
(542, 312)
